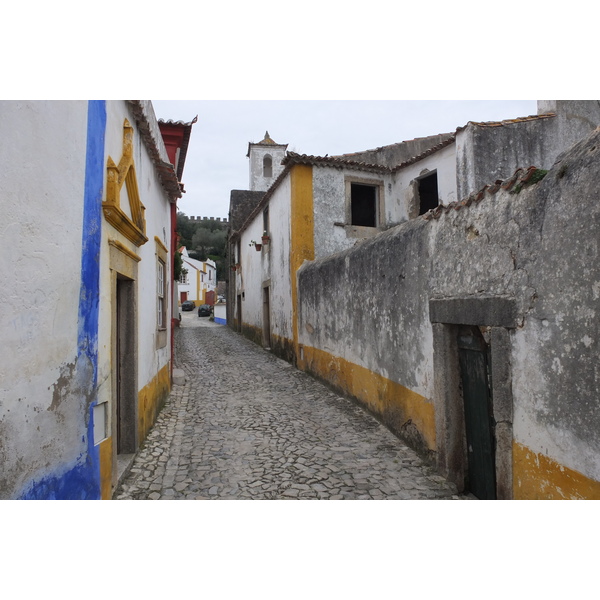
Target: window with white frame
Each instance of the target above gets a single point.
(161, 295)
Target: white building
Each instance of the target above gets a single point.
(376, 260)
(198, 281)
(85, 255)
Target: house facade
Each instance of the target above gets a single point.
(427, 296)
(198, 280)
(87, 242)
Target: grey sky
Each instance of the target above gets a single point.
(216, 161)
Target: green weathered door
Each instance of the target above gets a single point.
(475, 375)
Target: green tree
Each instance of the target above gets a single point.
(185, 229)
(205, 242)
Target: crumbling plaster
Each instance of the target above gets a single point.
(538, 247)
(39, 303)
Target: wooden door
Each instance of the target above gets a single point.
(266, 319)
(479, 424)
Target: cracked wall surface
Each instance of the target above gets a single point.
(538, 248)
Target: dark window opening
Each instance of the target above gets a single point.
(267, 166)
(428, 193)
(363, 205)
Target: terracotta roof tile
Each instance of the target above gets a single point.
(292, 158)
(508, 121)
(166, 171)
(513, 183)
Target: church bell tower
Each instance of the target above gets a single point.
(265, 163)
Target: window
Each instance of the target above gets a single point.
(428, 193)
(267, 166)
(266, 220)
(160, 290)
(363, 205)
(162, 293)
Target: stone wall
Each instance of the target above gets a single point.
(527, 248)
(395, 154)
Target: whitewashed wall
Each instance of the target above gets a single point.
(43, 156)
(443, 161)
(157, 214)
(270, 264)
(257, 154)
(329, 197)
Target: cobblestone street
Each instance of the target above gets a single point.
(247, 425)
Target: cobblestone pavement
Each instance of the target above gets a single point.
(247, 425)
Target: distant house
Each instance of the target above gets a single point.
(198, 280)
(436, 277)
(87, 196)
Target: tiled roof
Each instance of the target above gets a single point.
(344, 161)
(519, 178)
(180, 123)
(341, 161)
(166, 172)
(241, 204)
(386, 147)
(423, 155)
(267, 141)
(292, 158)
(508, 121)
(187, 127)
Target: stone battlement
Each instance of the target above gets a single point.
(218, 219)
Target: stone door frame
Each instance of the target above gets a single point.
(499, 314)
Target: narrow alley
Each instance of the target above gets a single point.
(247, 425)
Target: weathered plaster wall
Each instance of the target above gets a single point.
(394, 154)
(258, 182)
(575, 120)
(48, 305)
(152, 347)
(150, 358)
(330, 206)
(57, 314)
(255, 270)
(486, 153)
(539, 247)
(269, 267)
(402, 201)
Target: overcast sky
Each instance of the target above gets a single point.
(216, 161)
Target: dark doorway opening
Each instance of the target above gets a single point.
(266, 319)
(428, 193)
(475, 373)
(363, 201)
(239, 313)
(126, 367)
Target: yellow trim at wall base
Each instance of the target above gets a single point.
(302, 228)
(151, 399)
(106, 468)
(537, 477)
(394, 403)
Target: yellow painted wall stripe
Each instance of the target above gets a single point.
(387, 398)
(106, 468)
(302, 240)
(538, 477)
(151, 399)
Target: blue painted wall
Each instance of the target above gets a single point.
(81, 480)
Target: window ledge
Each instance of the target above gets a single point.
(355, 231)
